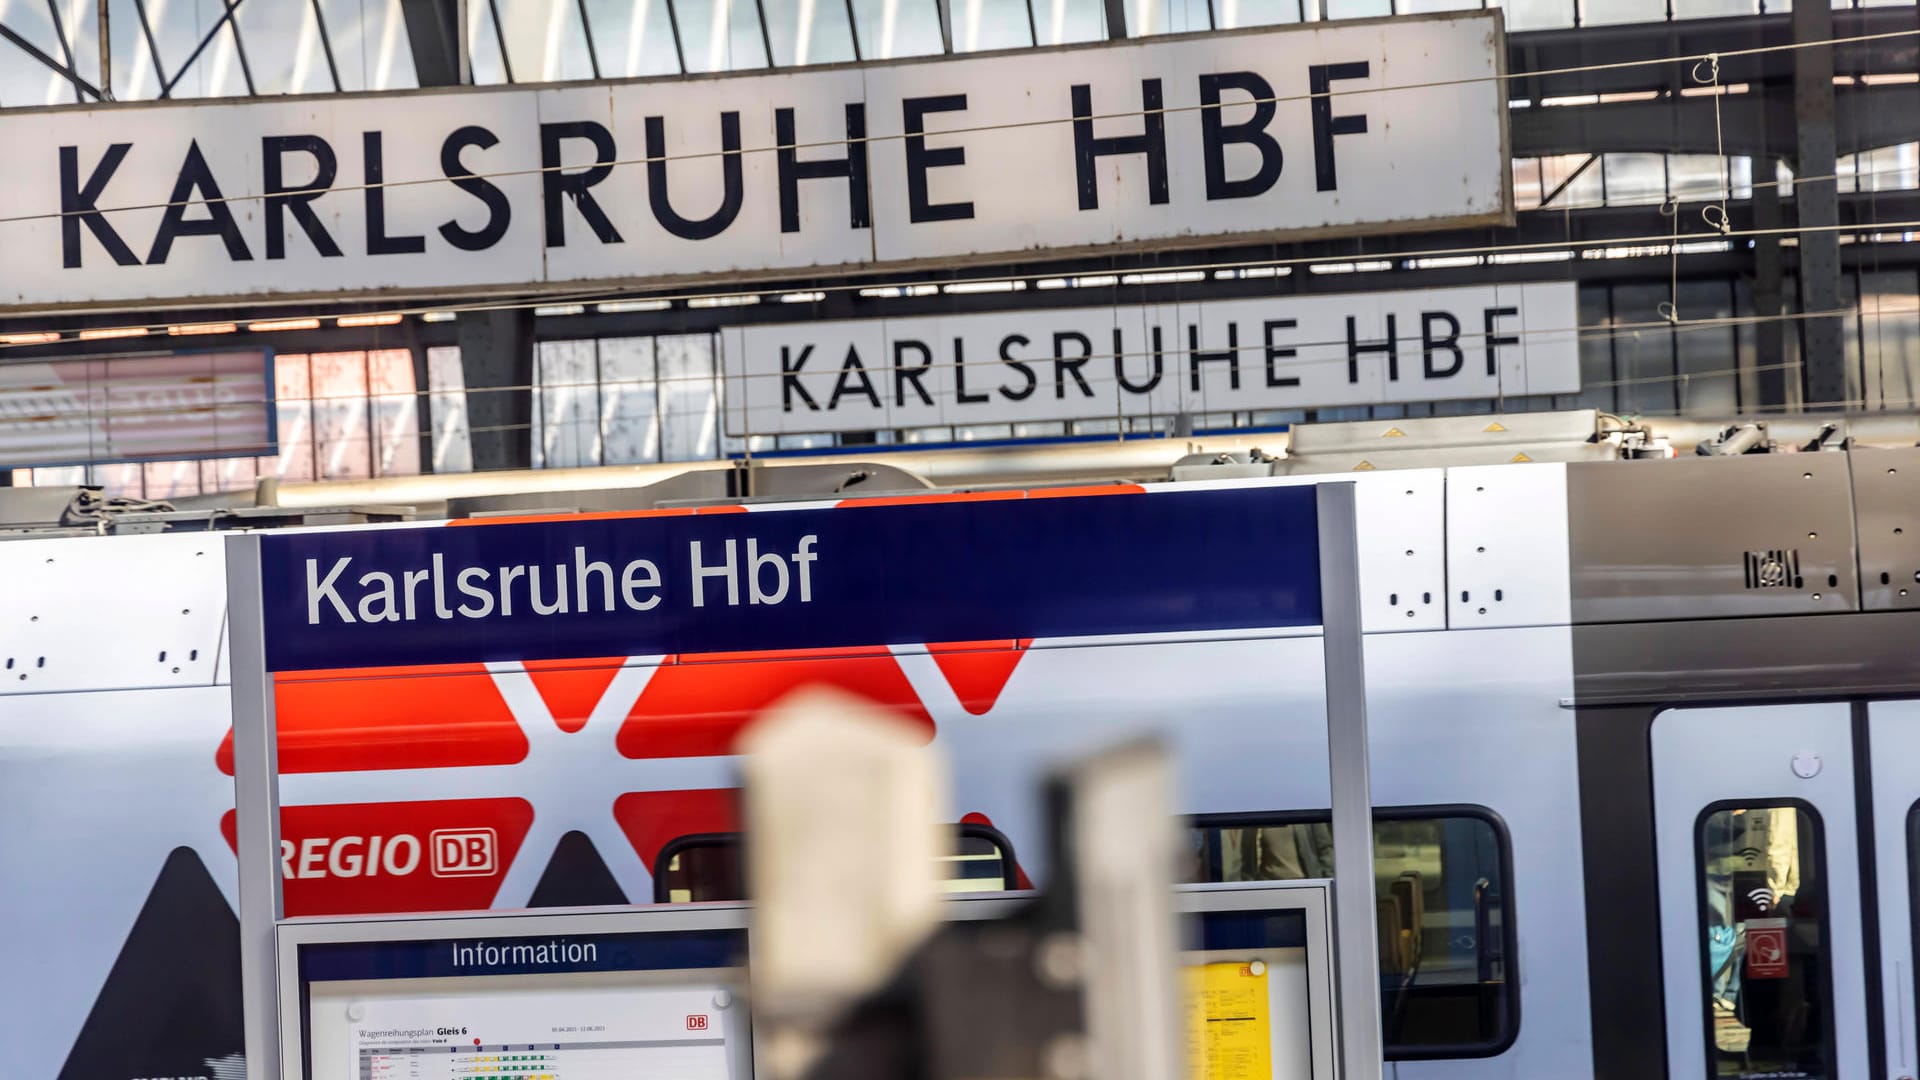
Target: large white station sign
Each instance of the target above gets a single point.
(1263, 133)
(1286, 352)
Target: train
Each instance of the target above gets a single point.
(1644, 749)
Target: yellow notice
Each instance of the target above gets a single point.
(1229, 1036)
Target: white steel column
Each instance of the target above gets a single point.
(1356, 947)
(256, 803)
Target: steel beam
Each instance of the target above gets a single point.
(1818, 203)
(496, 360)
(1748, 124)
(433, 31)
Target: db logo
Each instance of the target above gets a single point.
(462, 852)
(696, 1023)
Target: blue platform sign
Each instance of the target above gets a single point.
(969, 570)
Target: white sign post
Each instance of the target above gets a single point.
(1330, 129)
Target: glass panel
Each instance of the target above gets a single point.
(897, 28)
(545, 41)
(395, 412)
(370, 44)
(1708, 366)
(1419, 7)
(120, 480)
(1890, 168)
(809, 32)
(689, 398)
(1357, 9)
(171, 479)
(483, 47)
(720, 35)
(633, 37)
(24, 80)
(1439, 890)
(294, 416)
(1238, 13)
(1706, 9)
(1890, 338)
(1537, 14)
(566, 406)
(1635, 178)
(709, 868)
(982, 25)
(1584, 189)
(229, 474)
(452, 438)
(1698, 177)
(1643, 353)
(1608, 12)
(629, 402)
(1596, 351)
(273, 35)
(133, 72)
(343, 448)
(1764, 881)
(1527, 189)
(1148, 17)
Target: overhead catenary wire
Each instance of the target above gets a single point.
(1574, 247)
(796, 146)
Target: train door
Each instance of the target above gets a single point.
(1894, 736)
(1757, 856)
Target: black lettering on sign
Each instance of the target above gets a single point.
(1450, 342)
(79, 205)
(1355, 347)
(577, 186)
(499, 209)
(732, 190)
(375, 168)
(1065, 365)
(1216, 135)
(1277, 352)
(790, 386)
(1152, 141)
(196, 178)
(793, 170)
(851, 369)
(1326, 125)
(904, 374)
(919, 159)
(1495, 341)
(960, 375)
(1006, 357)
(1231, 355)
(1120, 363)
(281, 199)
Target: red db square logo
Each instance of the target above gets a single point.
(462, 852)
(696, 1023)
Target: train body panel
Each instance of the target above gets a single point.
(115, 785)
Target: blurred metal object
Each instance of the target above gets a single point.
(1735, 440)
(1076, 983)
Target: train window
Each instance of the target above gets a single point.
(1768, 993)
(1446, 929)
(710, 867)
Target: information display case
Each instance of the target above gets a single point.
(599, 994)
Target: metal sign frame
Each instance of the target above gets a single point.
(256, 784)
